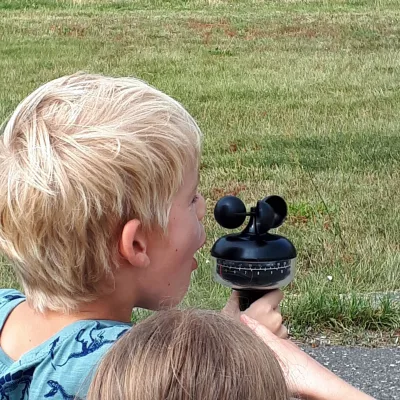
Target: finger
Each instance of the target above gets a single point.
(259, 329)
(274, 324)
(270, 299)
(271, 320)
(235, 296)
(232, 306)
(282, 332)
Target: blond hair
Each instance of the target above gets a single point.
(81, 156)
(189, 355)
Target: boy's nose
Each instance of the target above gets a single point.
(201, 208)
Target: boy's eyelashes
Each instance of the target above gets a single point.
(195, 198)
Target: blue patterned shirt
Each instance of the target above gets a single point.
(61, 367)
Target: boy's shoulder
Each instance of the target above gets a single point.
(82, 341)
(61, 367)
(70, 359)
(9, 295)
(9, 299)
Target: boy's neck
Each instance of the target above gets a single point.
(115, 306)
(103, 309)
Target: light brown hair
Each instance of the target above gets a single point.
(189, 355)
(79, 157)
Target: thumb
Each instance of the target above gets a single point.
(232, 306)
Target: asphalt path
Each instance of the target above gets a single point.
(375, 371)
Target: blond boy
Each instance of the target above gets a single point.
(99, 213)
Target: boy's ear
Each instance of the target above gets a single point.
(133, 244)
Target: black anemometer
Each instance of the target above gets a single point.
(253, 261)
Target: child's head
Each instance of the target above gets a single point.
(191, 354)
(95, 175)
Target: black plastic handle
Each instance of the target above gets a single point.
(248, 297)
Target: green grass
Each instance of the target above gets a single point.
(297, 98)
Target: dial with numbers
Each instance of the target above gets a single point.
(241, 275)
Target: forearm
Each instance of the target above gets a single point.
(306, 378)
(331, 387)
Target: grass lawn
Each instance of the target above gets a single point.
(296, 98)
